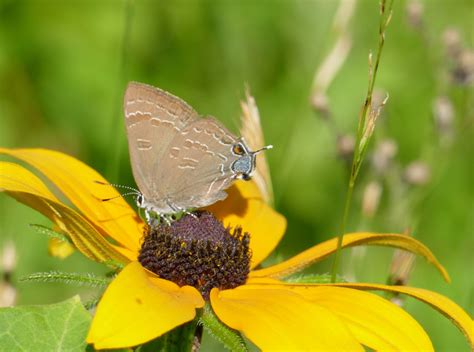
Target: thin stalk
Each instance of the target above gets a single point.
(116, 125)
(335, 268)
(363, 130)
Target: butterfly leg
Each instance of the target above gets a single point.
(150, 220)
(176, 208)
(166, 219)
(182, 210)
(147, 216)
(187, 212)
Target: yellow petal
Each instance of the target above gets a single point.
(439, 302)
(77, 181)
(374, 321)
(138, 307)
(25, 187)
(84, 236)
(324, 249)
(17, 179)
(245, 207)
(278, 319)
(59, 249)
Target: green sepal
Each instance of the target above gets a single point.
(78, 279)
(50, 233)
(314, 279)
(92, 303)
(115, 265)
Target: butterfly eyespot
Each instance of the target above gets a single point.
(238, 150)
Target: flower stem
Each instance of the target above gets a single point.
(365, 128)
(231, 339)
(347, 206)
(115, 127)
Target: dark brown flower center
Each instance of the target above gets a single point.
(197, 250)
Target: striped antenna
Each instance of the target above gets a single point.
(134, 191)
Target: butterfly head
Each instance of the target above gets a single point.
(245, 163)
(140, 200)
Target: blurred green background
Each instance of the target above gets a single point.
(64, 66)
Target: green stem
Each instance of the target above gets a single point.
(359, 152)
(116, 122)
(231, 339)
(347, 206)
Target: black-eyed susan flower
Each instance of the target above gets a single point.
(171, 272)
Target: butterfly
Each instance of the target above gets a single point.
(180, 160)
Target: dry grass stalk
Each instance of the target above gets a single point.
(252, 131)
(335, 59)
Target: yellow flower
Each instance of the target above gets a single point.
(138, 306)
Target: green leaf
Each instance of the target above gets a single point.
(231, 339)
(56, 327)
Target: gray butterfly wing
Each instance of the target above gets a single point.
(153, 118)
(200, 157)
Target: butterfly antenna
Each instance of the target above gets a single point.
(120, 195)
(134, 191)
(263, 149)
(118, 186)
